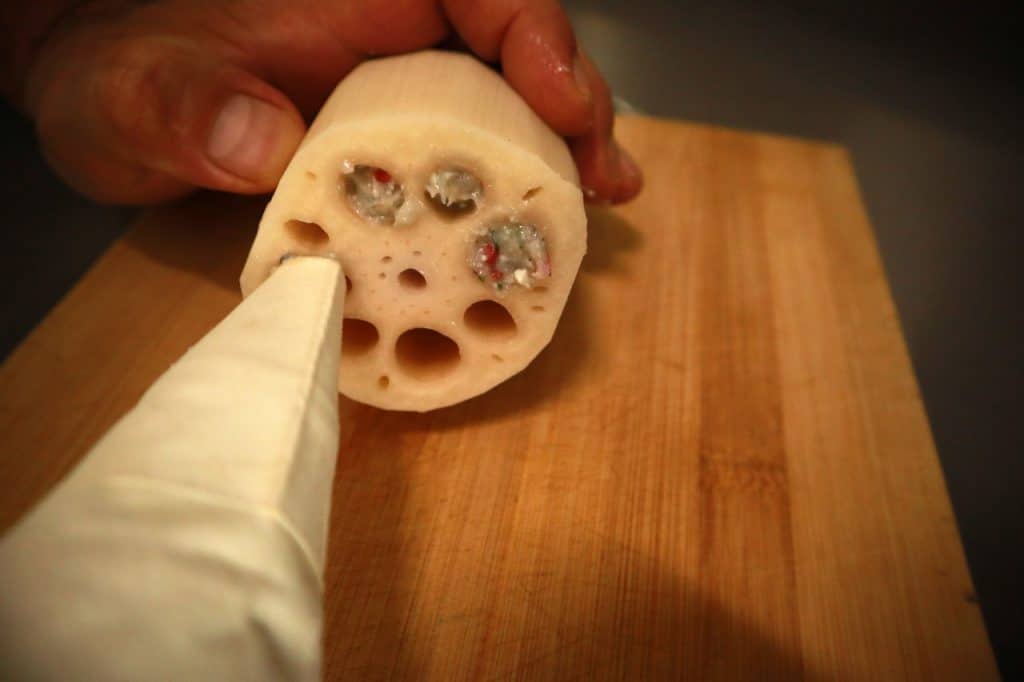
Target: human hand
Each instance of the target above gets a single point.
(138, 102)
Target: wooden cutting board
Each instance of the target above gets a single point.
(720, 469)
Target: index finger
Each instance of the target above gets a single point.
(540, 59)
(535, 43)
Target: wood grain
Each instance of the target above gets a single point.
(720, 469)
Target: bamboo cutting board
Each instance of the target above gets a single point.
(720, 469)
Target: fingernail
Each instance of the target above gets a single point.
(245, 135)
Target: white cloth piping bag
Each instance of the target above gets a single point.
(190, 541)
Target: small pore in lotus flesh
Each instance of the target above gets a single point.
(374, 194)
(510, 254)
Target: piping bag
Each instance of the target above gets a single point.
(189, 543)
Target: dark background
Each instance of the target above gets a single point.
(926, 98)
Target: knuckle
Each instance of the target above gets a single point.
(136, 89)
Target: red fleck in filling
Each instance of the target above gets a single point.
(489, 252)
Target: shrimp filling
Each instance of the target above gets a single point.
(511, 254)
(374, 194)
(454, 189)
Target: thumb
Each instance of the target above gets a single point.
(148, 120)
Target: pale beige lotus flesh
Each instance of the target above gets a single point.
(456, 214)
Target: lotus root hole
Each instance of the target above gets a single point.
(358, 337)
(411, 278)
(425, 354)
(306, 233)
(490, 319)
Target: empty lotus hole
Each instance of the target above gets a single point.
(531, 193)
(490, 318)
(383, 382)
(358, 337)
(385, 259)
(412, 279)
(537, 308)
(539, 290)
(309, 234)
(348, 284)
(497, 358)
(426, 354)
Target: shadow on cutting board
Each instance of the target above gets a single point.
(610, 238)
(207, 234)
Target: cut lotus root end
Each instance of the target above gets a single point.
(460, 230)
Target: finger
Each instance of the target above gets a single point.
(541, 60)
(607, 171)
(383, 27)
(305, 48)
(142, 120)
(537, 48)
